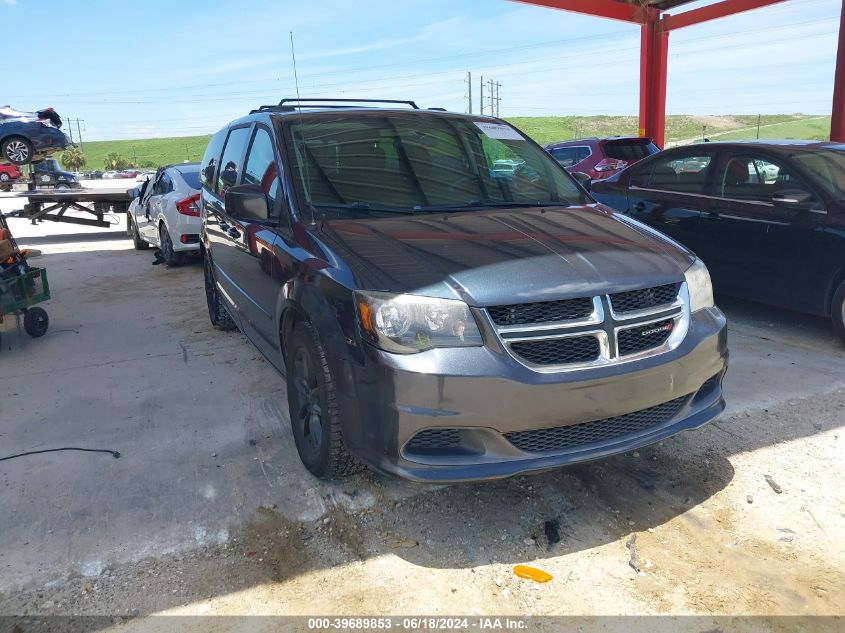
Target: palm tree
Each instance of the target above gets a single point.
(73, 159)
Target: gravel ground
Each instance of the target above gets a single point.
(743, 517)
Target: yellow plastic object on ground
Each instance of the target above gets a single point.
(532, 573)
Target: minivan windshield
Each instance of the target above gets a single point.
(412, 163)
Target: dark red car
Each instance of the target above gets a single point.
(601, 158)
(8, 175)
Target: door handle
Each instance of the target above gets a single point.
(233, 232)
(640, 206)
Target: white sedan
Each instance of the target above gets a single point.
(165, 212)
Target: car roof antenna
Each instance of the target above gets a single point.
(304, 147)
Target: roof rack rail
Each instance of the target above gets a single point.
(293, 104)
(323, 100)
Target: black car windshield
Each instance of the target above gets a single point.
(416, 163)
(828, 168)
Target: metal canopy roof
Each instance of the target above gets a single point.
(656, 25)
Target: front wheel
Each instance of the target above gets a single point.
(314, 414)
(62, 186)
(36, 322)
(4, 177)
(837, 310)
(17, 150)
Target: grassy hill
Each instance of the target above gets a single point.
(679, 129)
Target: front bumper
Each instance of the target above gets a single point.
(483, 394)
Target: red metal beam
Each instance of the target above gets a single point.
(837, 119)
(600, 8)
(654, 55)
(711, 12)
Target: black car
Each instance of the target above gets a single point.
(768, 218)
(441, 319)
(27, 137)
(48, 173)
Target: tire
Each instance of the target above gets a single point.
(137, 240)
(314, 414)
(36, 322)
(837, 310)
(17, 150)
(171, 257)
(62, 186)
(4, 177)
(217, 312)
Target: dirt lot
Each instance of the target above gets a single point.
(208, 510)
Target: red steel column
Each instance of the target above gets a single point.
(837, 119)
(654, 57)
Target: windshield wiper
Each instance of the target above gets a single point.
(480, 204)
(360, 206)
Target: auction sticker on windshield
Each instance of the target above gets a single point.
(499, 130)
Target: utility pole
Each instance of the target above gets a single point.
(469, 91)
(490, 89)
(498, 98)
(70, 129)
(481, 96)
(758, 127)
(79, 133)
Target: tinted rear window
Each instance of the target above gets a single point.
(631, 150)
(192, 178)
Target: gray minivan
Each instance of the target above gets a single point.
(441, 319)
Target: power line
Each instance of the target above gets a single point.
(346, 72)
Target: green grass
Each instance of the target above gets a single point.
(814, 128)
(161, 151)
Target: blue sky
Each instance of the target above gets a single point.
(183, 67)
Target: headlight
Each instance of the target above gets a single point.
(407, 324)
(700, 288)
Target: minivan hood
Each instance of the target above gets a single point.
(504, 256)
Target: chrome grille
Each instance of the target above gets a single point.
(562, 335)
(561, 351)
(563, 437)
(644, 337)
(644, 298)
(543, 312)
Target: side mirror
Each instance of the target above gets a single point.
(134, 192)
(583, 179)
(794, 199)
(248, 202)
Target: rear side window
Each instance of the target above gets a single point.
(630, 151)
(211, 159)
(687, 174)
(566, 156)
(261, 167)
(230, 163)
(164, 185)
